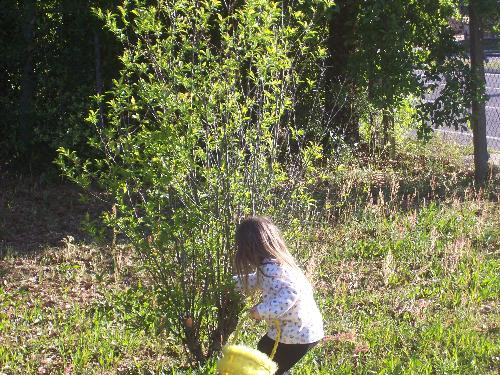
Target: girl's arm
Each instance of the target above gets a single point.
(251, 283)
(286, 295)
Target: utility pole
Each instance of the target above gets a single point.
(478, 117)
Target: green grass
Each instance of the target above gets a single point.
(416, 292)
(408, 293)
(53, 319)
(406, 269)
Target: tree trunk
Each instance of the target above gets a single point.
(25, 134)
(388, 132)
(478, 117)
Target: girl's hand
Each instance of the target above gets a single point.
(254, 314)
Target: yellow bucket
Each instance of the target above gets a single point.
(242, 360)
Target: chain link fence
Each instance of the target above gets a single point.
(492, 75)
(492, 106)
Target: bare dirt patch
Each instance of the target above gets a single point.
(35, 214)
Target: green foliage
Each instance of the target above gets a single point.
(9, 40)
(63, 77)
(405, 50)
(489, 11)
(197, 137)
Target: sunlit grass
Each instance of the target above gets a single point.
(406, 270)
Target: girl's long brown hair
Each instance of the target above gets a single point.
(257, 238)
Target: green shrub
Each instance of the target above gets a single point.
(197, 137)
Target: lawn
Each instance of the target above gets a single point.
(404, 256)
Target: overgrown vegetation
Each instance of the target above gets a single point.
(57, 54)
(296, 110)
(408, 283)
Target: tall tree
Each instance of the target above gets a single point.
(390, 50)
(478, 117)
(484, 15)
(10, 75)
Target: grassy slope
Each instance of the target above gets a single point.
(406, 270)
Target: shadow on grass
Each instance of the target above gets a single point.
(35, 214)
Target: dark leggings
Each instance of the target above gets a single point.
(286, 355)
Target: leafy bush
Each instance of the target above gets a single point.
(197, 137)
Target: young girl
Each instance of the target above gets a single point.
(263, 263)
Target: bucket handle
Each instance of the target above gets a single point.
(276, 323)
(277, 340)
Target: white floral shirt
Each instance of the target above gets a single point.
(287, 296)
